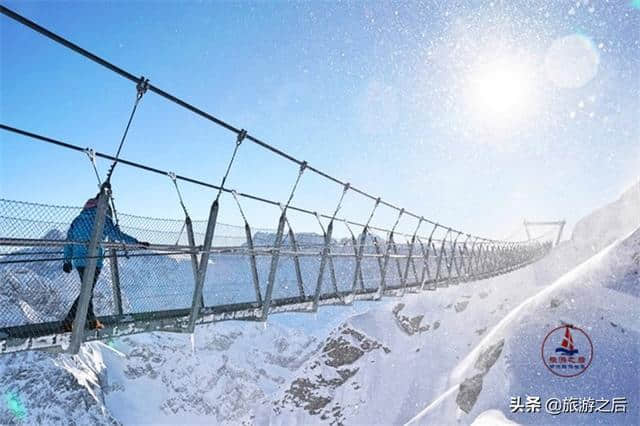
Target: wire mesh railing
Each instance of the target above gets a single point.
(152, 288)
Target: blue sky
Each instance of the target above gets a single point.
(409, 100)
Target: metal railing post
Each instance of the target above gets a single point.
(409, 259)
(442, 249)
(466, 257)
(86, 289)
(202, 267)
(354, 244)
(359, 251)
(115, 281)
(452, 260)
(562, 223)
(253, 263)
(274, 266)
(296, 260)
(426, 258)
(471, 262)
(478, 258)
(323, 261)
(194, 256)
(397, 261)
(385, 262)
(379, 256)
(423, 274)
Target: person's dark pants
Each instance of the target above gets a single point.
(91, 316)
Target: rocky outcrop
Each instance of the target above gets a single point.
(471, 387)
(336, 366)
(409, 325)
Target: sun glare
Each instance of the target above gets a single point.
(500, 92)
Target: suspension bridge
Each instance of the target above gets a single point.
(200, 271)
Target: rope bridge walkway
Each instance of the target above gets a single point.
(196, 272)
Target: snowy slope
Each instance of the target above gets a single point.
(601, 297)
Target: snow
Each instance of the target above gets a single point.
(492, 418)
(594, 296)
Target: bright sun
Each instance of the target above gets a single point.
(500, 92)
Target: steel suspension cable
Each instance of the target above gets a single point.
(62, 144)
(141, 88)
(91, 56)
(239, 139)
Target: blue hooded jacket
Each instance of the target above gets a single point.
(80, 230)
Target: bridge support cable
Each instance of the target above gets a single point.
(141, 88)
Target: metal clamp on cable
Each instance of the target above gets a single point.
(142, 86)
(241, 136)
(91, 154)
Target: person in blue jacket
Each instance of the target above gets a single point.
(75, 255)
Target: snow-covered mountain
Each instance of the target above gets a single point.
(370, 363)
(600, 296)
